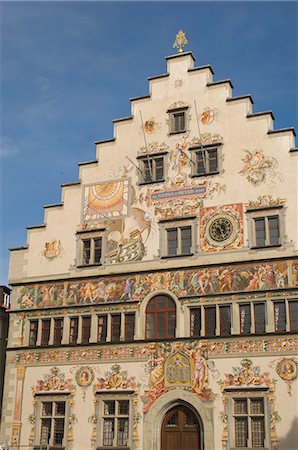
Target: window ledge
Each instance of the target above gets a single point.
(183, 255)
(197, 175)
(176, 132)
(142, 183)
(82, 266)
(265, 247)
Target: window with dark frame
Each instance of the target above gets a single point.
(205, 161)
(45, 331)
(267, 231)
(178, 121)
(115, 423)
(33, 332)
(73, 330)
(102, 328)
(58, 330)
(86, 329)
(152, 169)
(91, 251)
(160, 317)
(210, 320)
(129, 326)
(52, 423)
(260, 318)
(179, 240)
(245, 318)
(225, 320)
(249, 422)
(293, 312)
(115, 327)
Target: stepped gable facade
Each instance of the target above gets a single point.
(156, 308)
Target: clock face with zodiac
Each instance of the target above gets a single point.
(221, 230)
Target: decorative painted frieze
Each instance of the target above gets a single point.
(212, 280)
(116, 379)
(265, 201)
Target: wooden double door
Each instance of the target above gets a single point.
(180, 430)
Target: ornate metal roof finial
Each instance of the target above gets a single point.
(180, 41)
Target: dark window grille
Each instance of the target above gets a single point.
(58, 331)
(115, 327)
(86, 329)
(225, 320)
(45, 331)
(210, 321)
(260, 319)
(129, 326)
(293, 310)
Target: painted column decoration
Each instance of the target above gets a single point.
(17, 424)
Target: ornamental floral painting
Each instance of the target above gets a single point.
(259, 168)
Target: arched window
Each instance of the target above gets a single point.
(160, 317)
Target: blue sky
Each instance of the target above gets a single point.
(69, 68)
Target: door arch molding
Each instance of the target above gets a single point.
(154, 418)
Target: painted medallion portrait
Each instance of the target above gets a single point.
(84, 376)
(287, 369)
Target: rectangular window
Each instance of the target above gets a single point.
(115, 423)
(102, 328)
(206, 162)
(115, 327)
(260, 319)
(293, 311)
(33, 332)
(195, 322)
(179, 241)
(86, 329)
(210, 321)
(266, 231)
(73, 330)
(280, 316)
(152, 168)
(249, 422)
(129, 326)
(177, 121)
(58, 330)
(52, 423)
(91, 250)
(225, 320)
(245, 318)
(45, 331)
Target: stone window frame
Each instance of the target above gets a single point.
(179, 222)
(249, 393)
(194, 150)
(92, 236)
(100, 398)
(150, 158)
(172, 113)
(252, 214)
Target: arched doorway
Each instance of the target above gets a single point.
(180, 430)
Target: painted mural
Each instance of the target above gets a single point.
(246, 376)
(259, 168)
(221, 228)
(105, 200)
(208, 115)
(183, 283)
(265, 201)
(173, 365)
(116, 378)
